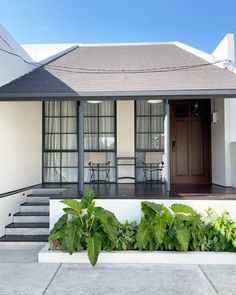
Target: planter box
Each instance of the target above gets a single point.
(159, 257)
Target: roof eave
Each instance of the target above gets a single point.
(121, 95)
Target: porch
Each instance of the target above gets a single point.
(147, 191)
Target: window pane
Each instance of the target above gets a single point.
(143, 141)
(106, 141)
(69, 160)
(69, 175)
(157, 141)
(157, 124)
(91, 125)
(52, 108)
(90, 109)
(106, 125)
(157, 109)
(52, 141)
(52, 125)
(68, 108)
(106, 108)
(142, 108)
(68, 125)
(143, 124)
(51, 174)
(181, 110)
(51, 159)
(91, 141)
(69, 141)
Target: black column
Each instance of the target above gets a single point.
(81, 146)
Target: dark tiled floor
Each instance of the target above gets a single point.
(149, 191)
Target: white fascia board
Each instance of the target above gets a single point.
(124, 44)
(204, 55)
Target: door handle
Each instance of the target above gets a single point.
(173, 145)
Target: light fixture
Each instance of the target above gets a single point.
(94, 101)
(155, 101)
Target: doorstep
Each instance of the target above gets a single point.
(155, 257)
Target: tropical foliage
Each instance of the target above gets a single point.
(180, 228)
(85, 227)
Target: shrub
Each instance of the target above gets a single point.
(84, 226)
(180, 228)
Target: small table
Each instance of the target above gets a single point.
(125, 161)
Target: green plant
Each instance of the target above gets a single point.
(220, 232)
(126, 236)
(178, 228)
(84, 226)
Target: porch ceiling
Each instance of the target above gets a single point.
(124, 72)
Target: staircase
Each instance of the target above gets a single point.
(31, 224)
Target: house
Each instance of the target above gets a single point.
(153, 120)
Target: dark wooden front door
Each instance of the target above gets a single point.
(190, 141)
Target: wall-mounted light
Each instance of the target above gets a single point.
(155, 101)
(94, 101)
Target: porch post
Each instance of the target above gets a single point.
(81, 147)
(167, 144)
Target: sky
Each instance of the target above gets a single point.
(199, 23)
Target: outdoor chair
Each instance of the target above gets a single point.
(153, 165)
(98, 166)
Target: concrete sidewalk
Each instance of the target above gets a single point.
(20, 274)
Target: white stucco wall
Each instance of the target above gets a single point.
(130, 209)
(11, 66)
(8, 207)
(125, 137)
(21, 145)
(218, 144)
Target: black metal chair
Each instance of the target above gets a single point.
(153, 165)
(98, 165)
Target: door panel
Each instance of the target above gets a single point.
(197, 147)
(181, 142)
(190, 137)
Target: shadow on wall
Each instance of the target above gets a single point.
(233, 163)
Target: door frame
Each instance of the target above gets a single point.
(172, 112)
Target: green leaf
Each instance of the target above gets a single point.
(159, 229)
(76, 205)
(57, 235)
(71, 236)
(94, 248)
(150, 208)
(143, 234)
(182, 208)
(183, 238)
(59, 224)
(87, 198)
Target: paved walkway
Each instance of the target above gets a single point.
(20, 274)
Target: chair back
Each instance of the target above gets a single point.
(153, 157)
(97, 158)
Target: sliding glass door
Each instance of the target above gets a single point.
(149, 137)
(60, 146)
(60, 139)
(100, 137)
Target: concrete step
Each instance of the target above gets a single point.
(30, 229)
(37, 198)
(23, 240)
(34, 217)
(35, 207)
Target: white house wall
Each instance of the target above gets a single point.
(21, 145)
(12, 66)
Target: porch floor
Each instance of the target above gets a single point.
(148, 191)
